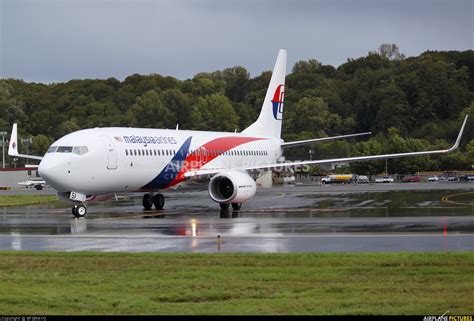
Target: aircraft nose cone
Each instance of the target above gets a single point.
(50, 171)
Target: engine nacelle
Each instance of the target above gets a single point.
(232, 187)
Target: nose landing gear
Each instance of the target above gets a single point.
(150, 199)
(79, 210)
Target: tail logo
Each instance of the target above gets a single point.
(277, 102)
(14, 145)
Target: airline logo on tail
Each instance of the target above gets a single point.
(277, 102)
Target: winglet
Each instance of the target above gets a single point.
(456, 144)
(13, 146)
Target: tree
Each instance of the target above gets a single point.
(311, 115)
(306, 66)
(11, 109)
(40, 144)
(390, 51)
(148, 111)
(215, 112)
(237, 83)
(470, 152)
(176, 102)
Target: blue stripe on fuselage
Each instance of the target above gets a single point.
(171, 169)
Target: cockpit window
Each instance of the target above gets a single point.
(80, 150)
(52, 149)
(64, 149)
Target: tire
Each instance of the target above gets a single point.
(159, 201)
(236, 206)
(224, 206)
(79, 210)
(147, 201)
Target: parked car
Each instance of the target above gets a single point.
(362, 179)
(452, 179)
(466, 178)
(433, 178)
(411, 179)
(385, 179)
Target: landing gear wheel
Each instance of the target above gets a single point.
(147, 201)
(79, 210)
(224, 206)
(159, 201)
(236, 206)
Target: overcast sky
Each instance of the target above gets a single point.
(59, 40)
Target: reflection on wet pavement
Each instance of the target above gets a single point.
(281, 219)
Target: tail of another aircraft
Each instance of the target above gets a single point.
(271, 115)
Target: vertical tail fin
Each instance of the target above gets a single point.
(13, 146)
(271, 115)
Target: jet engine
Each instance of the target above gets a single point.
(232, 187)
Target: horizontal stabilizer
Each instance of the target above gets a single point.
(13, 146)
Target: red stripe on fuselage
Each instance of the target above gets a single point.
(208, 152)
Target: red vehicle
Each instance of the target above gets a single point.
(411, 179)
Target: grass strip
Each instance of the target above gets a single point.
(316, 283)
(18, 200)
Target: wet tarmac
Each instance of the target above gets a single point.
(354, 218)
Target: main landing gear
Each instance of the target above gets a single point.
(150, 199)
(79, 210)
(235, 206)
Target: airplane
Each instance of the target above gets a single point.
(94, 164)
(36, 183)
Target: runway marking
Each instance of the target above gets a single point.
(446, 199)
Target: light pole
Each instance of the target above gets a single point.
(3, 147)
(27, 142)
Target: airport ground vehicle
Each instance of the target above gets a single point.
(385, 179)
(361, 179)
(338, 179)
(93, 164)
(411, 179)
(37, 183)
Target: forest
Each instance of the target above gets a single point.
(409, 104)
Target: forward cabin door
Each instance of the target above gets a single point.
(111, 152)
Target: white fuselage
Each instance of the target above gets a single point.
(106, 160)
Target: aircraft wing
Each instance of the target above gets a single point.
(201, 173)
(13, 146)
(317, 140)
